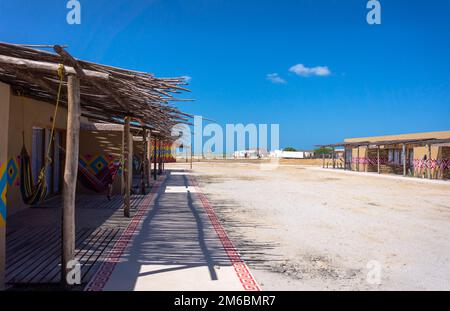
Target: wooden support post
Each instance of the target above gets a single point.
(357, 162)
(149, 156)
(126, 168)
(163, 157)
(192, 154)
(159, 158)
(404, 159)
(366, 162)
(334, 157)
(144, 161)
(323, 159)
(154, 159)
(70, 175)
(378, 160)
(345, 158)
(429, 160)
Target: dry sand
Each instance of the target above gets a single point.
(303, 228)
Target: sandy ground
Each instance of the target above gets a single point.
(303, 228)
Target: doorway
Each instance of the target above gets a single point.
(40, 144)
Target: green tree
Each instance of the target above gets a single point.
(323, 150)
(289, 149)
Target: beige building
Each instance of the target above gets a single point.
(29, 124)
(425, 155)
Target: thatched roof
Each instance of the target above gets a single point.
(108, 94)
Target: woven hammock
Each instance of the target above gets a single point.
(31, 194)
(101, 181)
(35, 194)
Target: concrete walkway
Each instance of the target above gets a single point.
(175, 242)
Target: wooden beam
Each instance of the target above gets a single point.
(70, 175)
(68, 59)
(126, 168)
(49, 67)
(323, 160)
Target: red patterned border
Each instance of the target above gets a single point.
(105, 271)
(243, 273)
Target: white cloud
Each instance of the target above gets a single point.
(302, 70)
(275, 78)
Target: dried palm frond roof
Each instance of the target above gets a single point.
(108, 94)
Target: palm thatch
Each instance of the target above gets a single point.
(108, 94)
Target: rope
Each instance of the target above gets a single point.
(48, 160)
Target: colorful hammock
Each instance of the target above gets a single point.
(101, 181)
(34, 194)
(31, 194)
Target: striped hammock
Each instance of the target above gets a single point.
(31, 194)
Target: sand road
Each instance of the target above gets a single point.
(302, 228)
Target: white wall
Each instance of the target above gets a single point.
(291, 154)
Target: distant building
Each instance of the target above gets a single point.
(305, 154)
(419, 154)
(251, 154)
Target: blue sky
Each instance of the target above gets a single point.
(384, 79)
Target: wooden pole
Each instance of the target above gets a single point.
(144, 161)
(404, 159)
(126, 168)
(357, 163)
(378, 160)
(429, 160)
(191, 156)
(366, 156)
(345, 158)
(149, 157)
(334, 157)
(323, 159)
(163, 157)
(154, 159)
(70, 175)
(159, 159)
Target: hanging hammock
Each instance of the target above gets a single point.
(34, 194)
(31, 194)
(100, 182)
